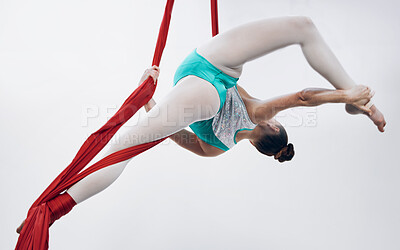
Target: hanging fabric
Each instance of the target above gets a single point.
(35, 233)
(54, 202)
(214, 17)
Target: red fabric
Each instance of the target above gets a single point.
(60, 206)
(51, 205)
(45, 215)
(35, 233)
(214, 17)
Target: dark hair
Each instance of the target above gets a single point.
(276, 145)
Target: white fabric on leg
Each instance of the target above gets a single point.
(96, 182)
(230, 50)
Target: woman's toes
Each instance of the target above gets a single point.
(381, 126)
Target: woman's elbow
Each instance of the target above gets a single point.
(207, 154)
(304, 97)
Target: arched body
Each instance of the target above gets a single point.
(194, 99)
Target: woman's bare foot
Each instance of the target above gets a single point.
(376, 116)
(19, 229)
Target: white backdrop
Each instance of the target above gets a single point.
(65, 66)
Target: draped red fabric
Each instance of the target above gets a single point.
(214, 17)
(53, 202)
(35, 233)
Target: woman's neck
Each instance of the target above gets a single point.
(244, 134)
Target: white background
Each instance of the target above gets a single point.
(340, 191)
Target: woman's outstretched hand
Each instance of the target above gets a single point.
(153, 72)
(360, 96)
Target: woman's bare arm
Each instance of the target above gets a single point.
(243, 92)
(357, 96)
(189, 141)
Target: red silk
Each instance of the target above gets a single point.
(45, 214)
(60, 206)
(214, 17)
(35, 233)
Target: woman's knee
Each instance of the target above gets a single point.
(304, 27)
(302, 22)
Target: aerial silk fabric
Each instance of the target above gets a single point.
(54, 202)
(214, 17)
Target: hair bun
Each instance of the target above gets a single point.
(285, 154)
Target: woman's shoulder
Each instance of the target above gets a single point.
(250, 102)
(243, 93)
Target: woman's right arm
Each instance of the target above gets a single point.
(357, 96)
(189, 141)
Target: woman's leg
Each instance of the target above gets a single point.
(230, 50)
(192, 99)
(247, 42)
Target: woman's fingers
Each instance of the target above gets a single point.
(365, 108)
(362, 98)
(369, 104)
(152, 76)
(155, 67)
(365, 93)
(152, 72)
(371, 94)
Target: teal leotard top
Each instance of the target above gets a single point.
(220, 130)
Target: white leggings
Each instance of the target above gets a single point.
(194, 99)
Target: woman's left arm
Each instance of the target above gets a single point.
(358, 96)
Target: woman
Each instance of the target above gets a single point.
(206, 97)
